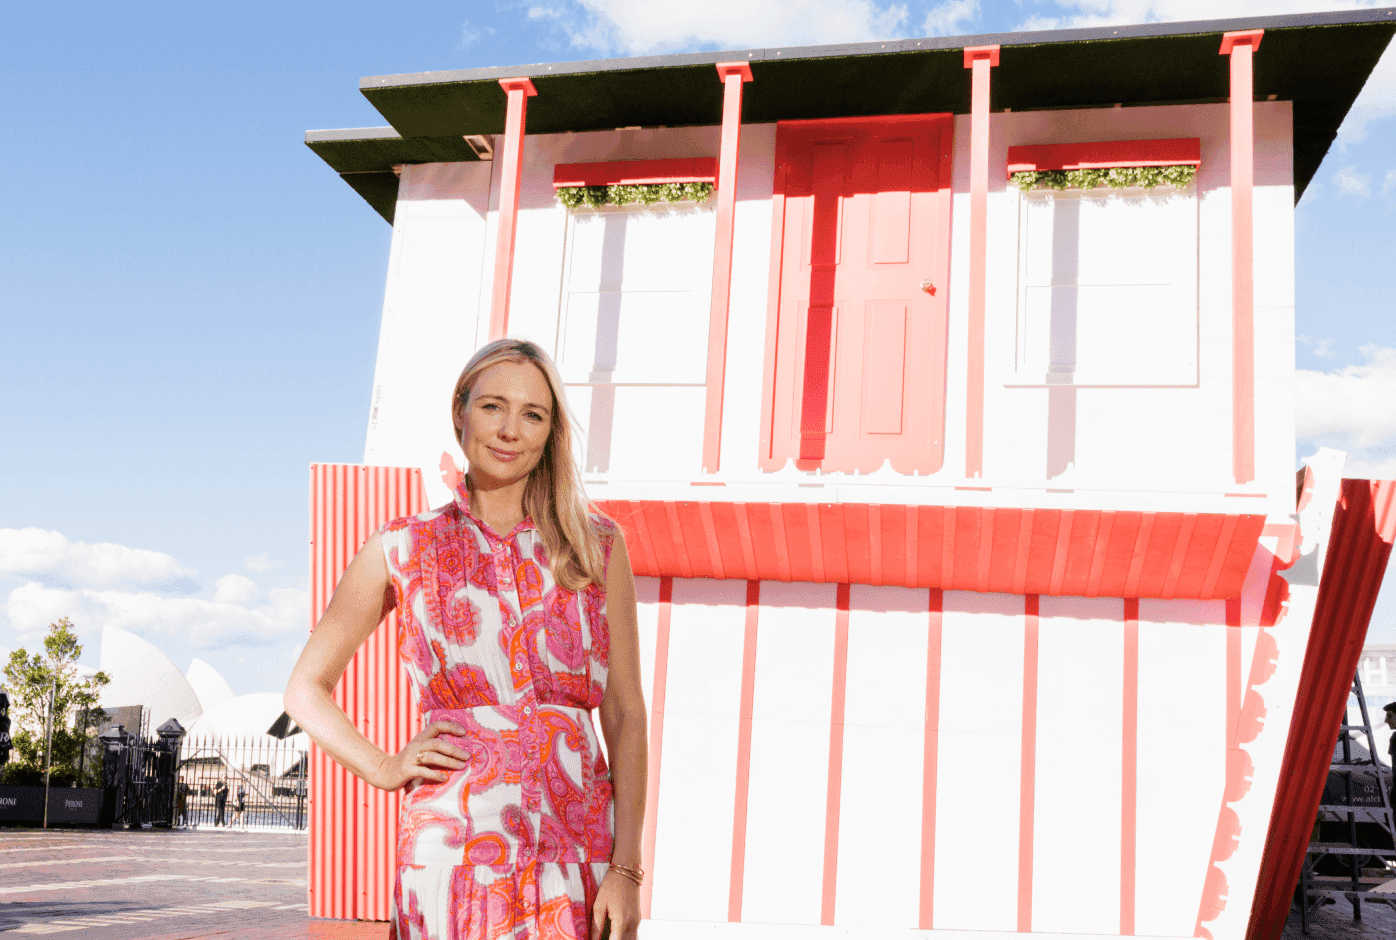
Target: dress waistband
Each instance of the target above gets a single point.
(446, 714)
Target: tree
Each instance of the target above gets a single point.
(30, 681)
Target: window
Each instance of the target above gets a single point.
(1107, 288)
(633, 335)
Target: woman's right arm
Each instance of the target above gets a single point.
(360, 602)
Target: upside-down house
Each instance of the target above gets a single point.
(944, 390)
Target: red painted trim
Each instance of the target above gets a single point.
(742, 69)
(979, 60)
(1104, 154)
(1249, 37)
(1359, 548)
(635, 172)
(975, 53)
(1241, 47)
(1081, 552)
(930, 760)
(834, 123)
(1129, 767)
(519, 90)
(656, 747)
(734, 896)
(732, 75)
(834, 790)
(1027, 768)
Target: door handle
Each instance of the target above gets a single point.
(928, 287)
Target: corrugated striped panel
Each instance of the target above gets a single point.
(1056, 552)
(1359, 547)
(353, 827)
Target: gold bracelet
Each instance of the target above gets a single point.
(636, 875)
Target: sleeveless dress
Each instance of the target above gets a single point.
(515, 844)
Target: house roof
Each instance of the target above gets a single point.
(1319, 61)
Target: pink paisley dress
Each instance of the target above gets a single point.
(516, 844)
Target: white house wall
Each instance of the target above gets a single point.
(430, 309)
(1077, 776)
(1175, 439)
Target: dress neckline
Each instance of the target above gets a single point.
(463, 504)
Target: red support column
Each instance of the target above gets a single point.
(733, 75)
(979, 59)
(1241, 47)
(510, 176)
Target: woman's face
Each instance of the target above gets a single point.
(505, 423)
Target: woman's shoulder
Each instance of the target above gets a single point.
(412, 524)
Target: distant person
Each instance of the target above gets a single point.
(220, 801)
(1391, 751)
(239, 808)
(517, 619)
(181, 803)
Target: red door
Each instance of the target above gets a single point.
(856, 350)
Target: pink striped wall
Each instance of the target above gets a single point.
(353, 827)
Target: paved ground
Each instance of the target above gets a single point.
(1334, 922)
(161, 885)
(231, 885)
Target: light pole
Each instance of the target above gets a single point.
(48, 744)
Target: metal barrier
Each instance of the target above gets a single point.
(139, 776)
(255, 781)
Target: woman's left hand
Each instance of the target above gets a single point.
(617, 900)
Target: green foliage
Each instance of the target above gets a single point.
(1120, 177)
(30, 680)
(594, 197)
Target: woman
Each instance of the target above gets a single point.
(516, 618)
(239, 808)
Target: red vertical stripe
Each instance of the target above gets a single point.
(1233, 670)
(661, 681)
(753, 608)
(510, 178)
(1028, 766)
(834, 790)
(732, 74)
(1129, 764)
(930, 758)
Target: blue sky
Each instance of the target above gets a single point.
(190, 298)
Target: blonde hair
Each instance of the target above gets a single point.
(553, 496)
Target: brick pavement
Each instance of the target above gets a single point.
(161, 885)
(232, 885)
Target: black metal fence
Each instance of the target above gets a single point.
(252, 782)
(138, 776)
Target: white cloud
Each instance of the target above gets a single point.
(1376, 101)
(1355, 403)
(1388, 185)
(1364, 468)
(1352, 182)
(1323, 348)
(950, 18)
(636, 26)
(260, 563)
(234, 589)
(38, 552)
(468, 34)
(202, 623)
